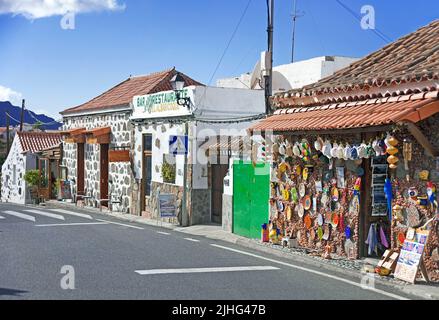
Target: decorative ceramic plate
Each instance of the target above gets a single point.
(280, 206)
(324, 200)
(286, 194)
(302, 190)
(305, 174)
(320, 219)
(294, 196)
(335, 219)
(320, 233)
(307, 221)
(301, 210)
(307, 202)
(289, 212)
(334, 194)
(401, 237)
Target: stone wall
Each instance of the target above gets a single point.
(151, 211)
(120, 175)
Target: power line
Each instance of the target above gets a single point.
(380, 34)
(39, 121)
(230, 41)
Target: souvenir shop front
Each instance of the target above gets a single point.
(350, 186)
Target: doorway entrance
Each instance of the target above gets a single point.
(219, 171)
(80, 188)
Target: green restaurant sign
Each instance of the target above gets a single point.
(159, 102)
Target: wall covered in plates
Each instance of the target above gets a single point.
(313, 199)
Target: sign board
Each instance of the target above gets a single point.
(167, 205)
(161, 104)
(410, 257)
(66, 191)
(178, 145)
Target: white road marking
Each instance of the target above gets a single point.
(204, 270)
(73, 213)
(395, 296)
(71, 224)
(20, 215)
(46, 214)
(190, 239)
(121, 224)
(165, 233)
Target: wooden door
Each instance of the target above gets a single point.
(104, 173)
(219, 171)
(80, 185)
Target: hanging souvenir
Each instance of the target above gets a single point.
(423, 175)
(302, 190)
(307, 221)
(397, 213)
(319, 186)
(431, 192)
(283, 167)
(391, 141)
(340, 177)
(362, 151)
(389, 197)
(327, 233)
(326, 150)
(275, 148)
(289, 150)
(335, 219)
(320, 219)
(280, 206)
(286, 194)
(376, 148)
(347, 232)
(401, 238)
(324, 200)
(296, 150)
(307, 202)
(340, 152)
(318, 144)
(383, 147)
(298, 170)
(407, 153)
(314, 204)
(282, 149)
(354, 153)
(334, 150)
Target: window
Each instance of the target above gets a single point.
(14, 174)
(169, 168)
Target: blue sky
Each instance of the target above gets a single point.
(55, 68)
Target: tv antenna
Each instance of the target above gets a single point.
(296, 14)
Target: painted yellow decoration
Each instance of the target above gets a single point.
(393, 166)
(305, 174)
(392, 141)
(286, 195)
(423, 175)
(392, 150)
(392, 159)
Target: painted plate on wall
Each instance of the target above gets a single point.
(320, 233)
(294, 196)
(301, 210)
(280, 206)
(320, 219)
(324, 200)
(302, 190)
(289, 212)
(307, 221)
(307, 202)
(347, 232)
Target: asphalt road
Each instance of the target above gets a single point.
(136, 261)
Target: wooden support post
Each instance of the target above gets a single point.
(421, 138)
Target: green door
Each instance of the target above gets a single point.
(251, 186)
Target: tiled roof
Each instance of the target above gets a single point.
(373, 112)
(123, 93)
(411, 59)
(37, 141)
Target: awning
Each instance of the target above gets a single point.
(100, 135)
(367, 113)
(224, 144)
(75, 135)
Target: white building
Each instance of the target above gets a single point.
(290, 76)
(158, 117)
(23, 157)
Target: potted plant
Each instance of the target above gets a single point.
(32, 178)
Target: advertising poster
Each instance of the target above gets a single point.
(167, 205)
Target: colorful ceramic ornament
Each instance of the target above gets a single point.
(423, 175)
(347, 232)
(320, 233)
(286, 195)
(318, 144)
(289, 213)
(324, 200)
(300, 210)
(320, 219)
(307, 202)
(296, 150)
(335, 219)
(280, 206)
(340, 152)
(334, 194)
(305, 174)
(392, 159)
(334, 150)
(294, 196)
(326, 150)
(307, 221)
(391, 141)
(401, 238)
(302, 190)
(282, 149)
(392, 150)
(289, 150)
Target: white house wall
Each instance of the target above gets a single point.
(10, 191)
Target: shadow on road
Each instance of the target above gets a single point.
(11, 292)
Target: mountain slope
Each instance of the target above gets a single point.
(29, 117)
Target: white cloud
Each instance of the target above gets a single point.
(36, 9)
(7, 94)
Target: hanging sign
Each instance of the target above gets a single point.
(410, 257)
(161, 104)
(178, 145)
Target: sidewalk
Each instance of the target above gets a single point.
(354, 268)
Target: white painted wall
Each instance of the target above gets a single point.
(294, 75)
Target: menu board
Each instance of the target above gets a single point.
(167, 205)
(66, 191)
(410, 257)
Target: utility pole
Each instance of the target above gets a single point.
(22, 115)
(269, 75)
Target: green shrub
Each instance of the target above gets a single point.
(32, 178)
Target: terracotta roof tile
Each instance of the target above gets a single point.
(123, 93)
(342, 117)
(413, 58)
(38, 141)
